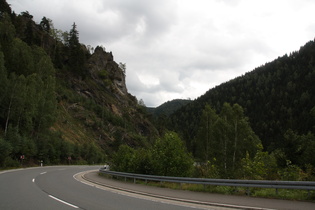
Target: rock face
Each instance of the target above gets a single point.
(107, 72)
(98, 108)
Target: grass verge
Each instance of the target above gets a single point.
(285, 194)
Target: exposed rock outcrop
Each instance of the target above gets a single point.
(107, 72)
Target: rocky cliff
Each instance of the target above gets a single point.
(99, 108)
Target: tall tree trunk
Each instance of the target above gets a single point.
(235, 144)
(207, 142)
(9, 112)
(8, 117)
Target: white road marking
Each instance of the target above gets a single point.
(64, 202)
(33, 180)
(43, 173)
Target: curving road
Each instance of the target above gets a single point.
(63, 187)
(56, 188)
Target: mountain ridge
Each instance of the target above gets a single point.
(168, 107)
(271, 95)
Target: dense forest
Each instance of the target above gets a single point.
(63, 102)
(278, 99)
(168, 107)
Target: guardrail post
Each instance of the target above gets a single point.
(308, 194)
(248, 191)
(134, 180)
(235, 190)
(276, 191)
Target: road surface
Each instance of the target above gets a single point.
(56, 188)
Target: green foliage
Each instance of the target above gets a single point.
(5, 150)
(7, 32)
(207, 170)
(168, 107)
(124, 159)
(297, 150)
(278, 98)
(28, 98)
(3, 82)
(92, 154)
(76, 53)
(54, 106)
(287, 194)
(40, 65)
(19, 58)
(291, 172)
(4, 7)
(45, 24)
(262, 166)
(205, 143)
(167, 157)
(143, 162)
(170, 157)
(103, 74)
(226, 138)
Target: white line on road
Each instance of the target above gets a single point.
(33, 180)
(43, 173)
(64, 202)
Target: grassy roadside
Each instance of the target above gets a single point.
(285, 194)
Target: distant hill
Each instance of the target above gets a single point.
(277, 97)
(168, 107)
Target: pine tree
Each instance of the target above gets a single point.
(4, 7)
(76, 53)
(45, 24)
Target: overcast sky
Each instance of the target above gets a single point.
(182, 48)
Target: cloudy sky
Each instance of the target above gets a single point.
(181, 48)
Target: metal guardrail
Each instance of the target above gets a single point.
(302, 185)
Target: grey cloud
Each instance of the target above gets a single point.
(187, 46)
(230, 2)
(107, 21)
(134, 84)
(156, 17)
(170, 83)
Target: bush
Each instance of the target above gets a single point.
(10, 163)
(168, 157)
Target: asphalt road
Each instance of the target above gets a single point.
(56, 188)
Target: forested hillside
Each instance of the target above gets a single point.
(62, 101)
(279, 100)
(168, 107)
